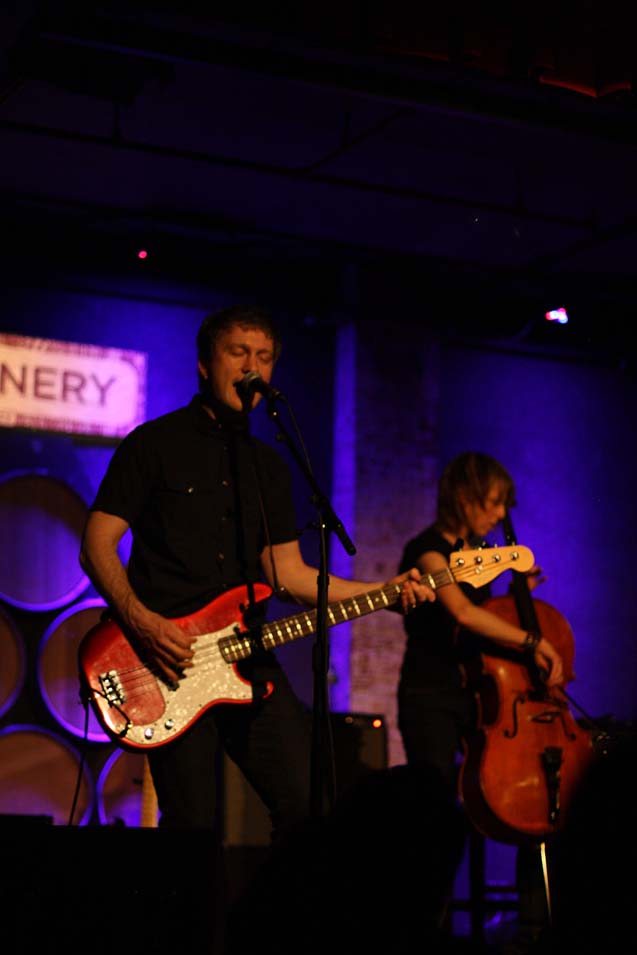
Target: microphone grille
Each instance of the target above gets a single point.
(248, 385)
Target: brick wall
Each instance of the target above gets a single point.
(396, 461)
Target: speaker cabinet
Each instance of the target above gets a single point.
(360, 745)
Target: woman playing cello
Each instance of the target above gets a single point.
(437, 709)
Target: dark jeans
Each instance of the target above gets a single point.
(432, 722)
(270, 740)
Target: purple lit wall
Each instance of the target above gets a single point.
(564, 430)
(343, 501)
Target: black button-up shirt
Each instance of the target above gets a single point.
(193, 494)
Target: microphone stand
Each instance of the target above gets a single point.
(322, 796)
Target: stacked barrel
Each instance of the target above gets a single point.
(56, 763)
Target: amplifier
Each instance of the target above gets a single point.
(360, 745)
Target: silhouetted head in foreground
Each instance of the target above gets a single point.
(374, 874)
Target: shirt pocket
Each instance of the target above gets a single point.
(189, 512)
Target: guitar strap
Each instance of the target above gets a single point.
(252, 616)
(264, 516)
(234, 441)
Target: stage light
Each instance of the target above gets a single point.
(557, 315)
(142, 254)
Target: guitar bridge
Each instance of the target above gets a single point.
(112, 688)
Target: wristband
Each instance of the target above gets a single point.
(531, 641)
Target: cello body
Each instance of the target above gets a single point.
(528, 754)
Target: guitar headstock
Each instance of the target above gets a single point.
(482, 565)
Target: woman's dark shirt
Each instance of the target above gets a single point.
(433, 656)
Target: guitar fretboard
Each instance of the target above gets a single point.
(303, 624)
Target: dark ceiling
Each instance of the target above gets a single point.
(481, 154)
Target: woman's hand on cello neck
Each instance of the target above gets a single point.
(535, 577)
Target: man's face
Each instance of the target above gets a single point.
(235, 353)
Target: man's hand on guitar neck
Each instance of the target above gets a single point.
(414, 591)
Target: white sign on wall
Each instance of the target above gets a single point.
(71, 388)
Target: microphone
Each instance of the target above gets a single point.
(252, 383)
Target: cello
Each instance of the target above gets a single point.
(528, 754)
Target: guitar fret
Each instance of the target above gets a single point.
(277, 636)
(269, 637)
(440, 577)
(235, 648)
(288, 629)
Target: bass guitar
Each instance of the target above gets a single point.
(139, 709)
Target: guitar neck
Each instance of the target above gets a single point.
(279, 632)
(474, 567)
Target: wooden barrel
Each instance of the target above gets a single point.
(125, 792)
(39, 772)
(41, 525)
(57, 669)
(13, 662)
